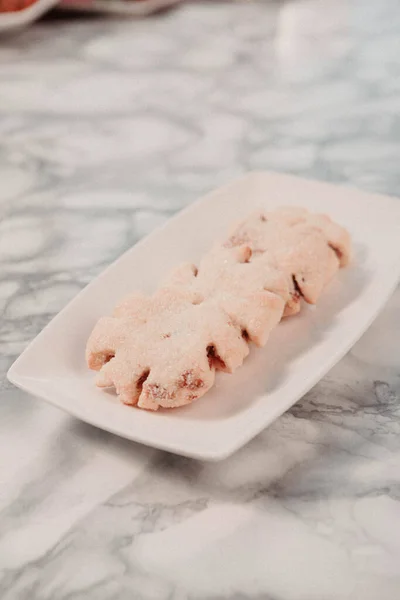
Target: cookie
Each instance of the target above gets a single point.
(163, 350)
(252, 294)
(336, 236)
(168, 361)
(299, 248)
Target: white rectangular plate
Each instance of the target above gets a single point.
(300, 351)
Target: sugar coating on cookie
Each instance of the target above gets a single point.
(308, 248)
(141, 308)
(253, 295)
(336, 236)
(168, 361)
(163, 350)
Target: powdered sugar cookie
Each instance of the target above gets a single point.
(301, 250)
(168, 361)
(163, 350)
(336, 235)
(252, 294)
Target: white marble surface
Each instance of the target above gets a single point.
(106, 129)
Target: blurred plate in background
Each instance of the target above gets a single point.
(29, 11)
(136, 8)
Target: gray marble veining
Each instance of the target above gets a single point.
(106, 129)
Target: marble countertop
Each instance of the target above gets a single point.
(108, 127)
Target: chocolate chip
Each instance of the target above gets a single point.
(297, 290)
(142, 379)
(214, 360)
(108, 357)
(245, 335)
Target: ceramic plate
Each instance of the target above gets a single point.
(16, 19)
(21, 18)
(119, 7)
(300, 351)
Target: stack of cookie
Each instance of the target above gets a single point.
(164, 350)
